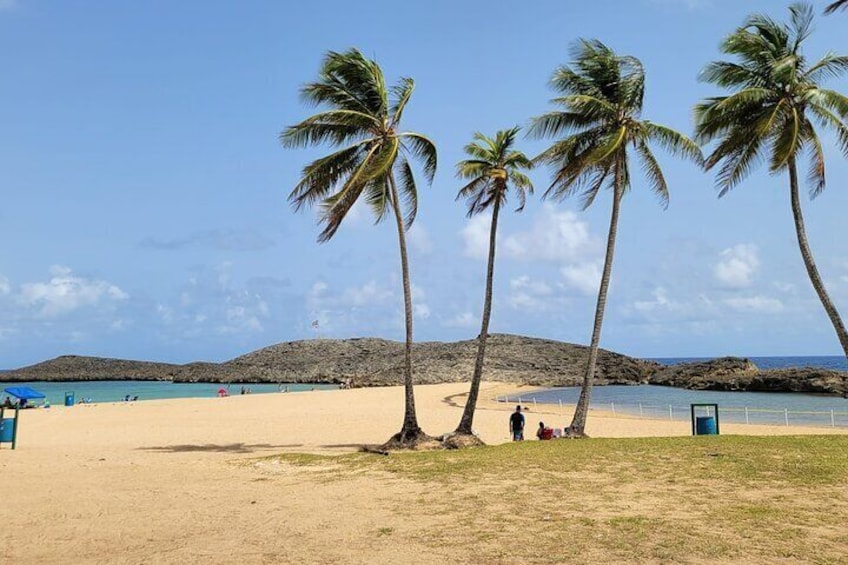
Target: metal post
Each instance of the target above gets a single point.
(832, 419)
(747, 421)
(640, 410)
(560, 406)
(670, 412)
(612, 405)
(786, 415)
(534, 403)
(15, 427)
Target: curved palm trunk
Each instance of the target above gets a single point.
(468, 414)
(410, 430)
(810, 264)
(578, 423)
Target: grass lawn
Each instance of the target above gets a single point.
(701, 499)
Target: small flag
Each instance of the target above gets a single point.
(315, 324)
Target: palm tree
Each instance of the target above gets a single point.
(775, 96)
(838, 5)
(363, 118)
(493, 166)
(600, 103)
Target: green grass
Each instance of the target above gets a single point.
(724, 498)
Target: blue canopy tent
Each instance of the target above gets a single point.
(9, 426)
(23, 392)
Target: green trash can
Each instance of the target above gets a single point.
(69, 399)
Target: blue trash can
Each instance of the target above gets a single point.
(69, 399)
(7, 430)
(705, 426)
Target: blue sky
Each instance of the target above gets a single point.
(144, 209)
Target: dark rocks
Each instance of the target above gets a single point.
(717, 374)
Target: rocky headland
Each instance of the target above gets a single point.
(378, 362)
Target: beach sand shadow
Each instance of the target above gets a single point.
(212, 447)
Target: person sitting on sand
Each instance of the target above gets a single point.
(7, 403)
(541, 431)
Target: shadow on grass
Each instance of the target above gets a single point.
(212, 447)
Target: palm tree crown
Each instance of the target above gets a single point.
(775, 96)
(363, 118)
(601, 100)
(494, 164)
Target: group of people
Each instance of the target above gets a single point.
(129, 398)
(516, 427)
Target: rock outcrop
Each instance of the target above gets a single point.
(366, 362)
(379, 362)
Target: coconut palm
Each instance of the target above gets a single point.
(776, 102)
(362, 119)
(598, 125)
(838, 5)
(494, 166)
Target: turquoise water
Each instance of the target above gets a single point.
(650, 401)
(114, 391)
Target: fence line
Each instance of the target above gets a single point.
(732, 414)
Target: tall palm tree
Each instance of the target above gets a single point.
(775, 98)
(599, 125)
(493, 166)
(838, 5)
(362, 119)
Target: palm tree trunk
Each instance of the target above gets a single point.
(810, 264)
(410, 430)
(468, 414)
(578, 423)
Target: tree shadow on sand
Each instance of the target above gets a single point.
(212, 447)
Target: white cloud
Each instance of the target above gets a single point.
(554, 236)
(762, 304)
(737, 266)
(366, 295)
(64, 293)
(527, 294)
(5, 287)
(462, 320)
(419, 239)
(664, 310)
(475, 235)
(585, 277)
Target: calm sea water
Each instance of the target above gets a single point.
(113, 391)
(739, 407)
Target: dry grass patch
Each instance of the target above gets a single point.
(726, 498)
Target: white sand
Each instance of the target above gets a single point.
(154, 481)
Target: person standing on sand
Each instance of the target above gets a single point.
(516, 424)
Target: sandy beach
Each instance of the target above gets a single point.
(181, 481)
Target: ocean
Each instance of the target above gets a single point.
(115, 391)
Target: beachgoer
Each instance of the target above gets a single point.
(516, 424)
(540, 433)
(243, 390)
(7, 403)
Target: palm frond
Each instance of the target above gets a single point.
(838, 5)
(423, 149)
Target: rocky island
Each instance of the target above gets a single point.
(377, 362)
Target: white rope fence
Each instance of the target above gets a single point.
(733, 414)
